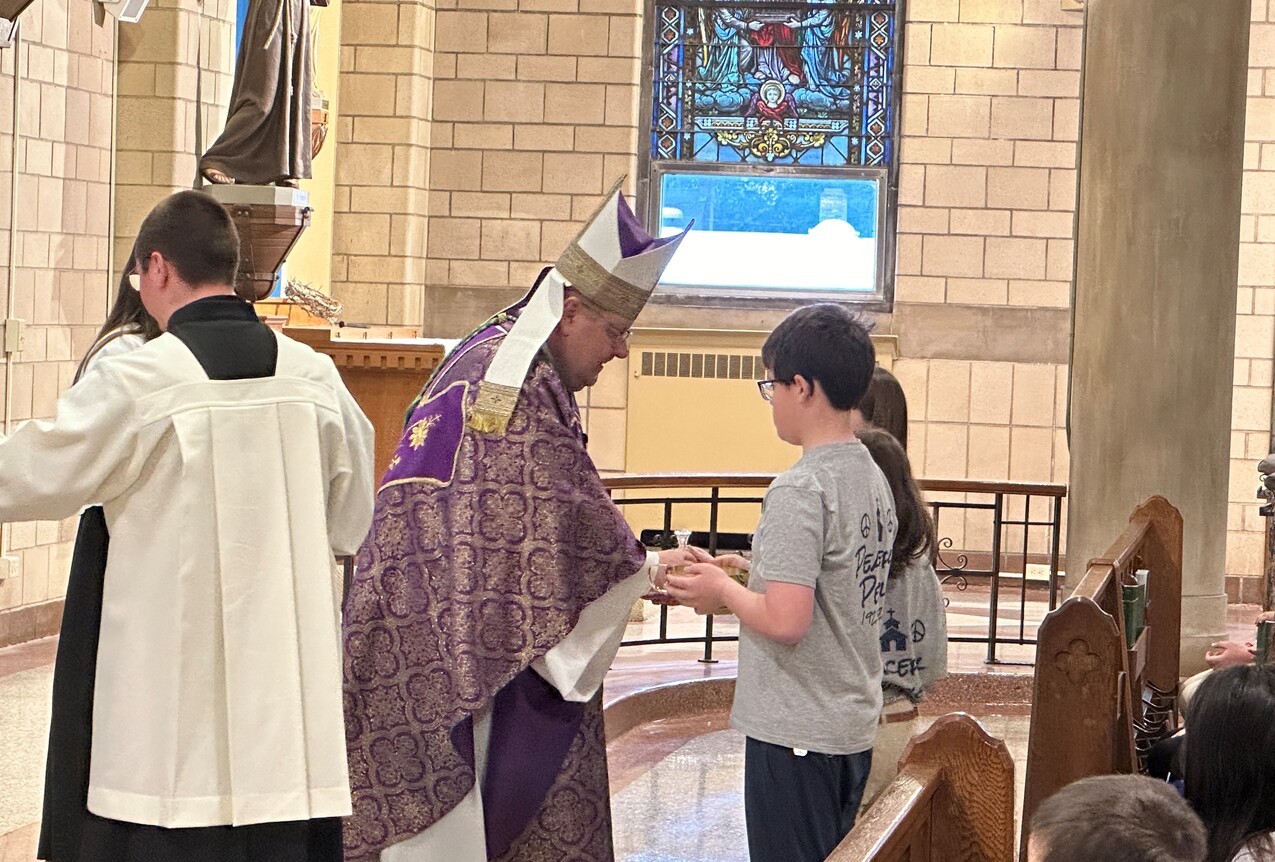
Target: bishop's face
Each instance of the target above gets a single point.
(591, 338)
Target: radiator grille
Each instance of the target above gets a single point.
(724, 366)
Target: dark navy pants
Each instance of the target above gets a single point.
(799, 807)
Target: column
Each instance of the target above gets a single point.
(1157, 238)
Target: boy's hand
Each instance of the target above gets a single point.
(700, 588)
(1265, 617)
(701, 555)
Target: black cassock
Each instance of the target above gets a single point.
(231, 344)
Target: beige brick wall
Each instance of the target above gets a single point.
(178, 50)
(987, 186)
(384, 152)
(986, 209)
(65, 64)
(1255, 321)
(535, 115)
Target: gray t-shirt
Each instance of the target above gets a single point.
(914, 631)
(827, 523)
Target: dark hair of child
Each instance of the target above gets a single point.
(823, 342)
(1230, 759)
(885, 406)
(915, 537)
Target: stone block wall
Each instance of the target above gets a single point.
(60, 251)
(535, 115)
(176, 69)
(384, 139)
(986, 210)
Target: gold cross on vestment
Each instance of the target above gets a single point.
(420, 431)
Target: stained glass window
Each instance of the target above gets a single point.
(775, 120)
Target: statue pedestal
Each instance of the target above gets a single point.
(269, 220)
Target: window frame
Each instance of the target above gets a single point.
(651, 171)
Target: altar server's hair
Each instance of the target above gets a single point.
(195, 234)
(127, 316)
(128, 312)
(823, 342)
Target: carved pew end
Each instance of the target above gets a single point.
(953, 800)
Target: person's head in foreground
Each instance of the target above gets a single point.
(1230, 761)
(1116, 818)
(819, 361)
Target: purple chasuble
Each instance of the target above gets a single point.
(483, 552)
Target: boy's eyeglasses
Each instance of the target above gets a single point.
(767, 388)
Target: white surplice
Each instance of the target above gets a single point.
(576, 667)
(218, 689)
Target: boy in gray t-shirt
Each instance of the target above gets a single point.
(809, 690)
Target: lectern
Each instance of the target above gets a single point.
(383, 374)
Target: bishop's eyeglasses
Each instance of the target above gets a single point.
(618, 336)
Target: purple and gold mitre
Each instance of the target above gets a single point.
(613, 263)
(438, 421)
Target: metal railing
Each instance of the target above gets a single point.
(1005, 529)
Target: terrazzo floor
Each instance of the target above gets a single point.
(676, 784)
(26, 674)
(689, 806)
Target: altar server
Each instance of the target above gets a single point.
(231, 465)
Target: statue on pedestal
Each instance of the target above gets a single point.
(267, 139)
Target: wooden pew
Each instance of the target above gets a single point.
(952, 801)
(1097, 705)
